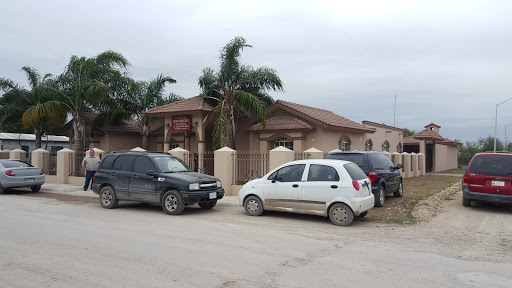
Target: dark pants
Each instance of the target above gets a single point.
(88, 178)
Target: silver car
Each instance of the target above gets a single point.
(17, 173)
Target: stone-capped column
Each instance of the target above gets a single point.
(180, 153)
(278, 156)
(64, 165)
(421, 163)
(406, 158)
(41, 159)
(17, 154)
(315, 153)
(224, 167)
(414, 165)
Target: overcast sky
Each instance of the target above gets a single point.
(447, 62)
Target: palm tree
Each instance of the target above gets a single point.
(85, 84)
(145, 95)
(237, 91)
(36, 108)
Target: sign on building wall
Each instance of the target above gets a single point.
(181, 123)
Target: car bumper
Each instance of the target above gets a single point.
(478, 196)
(201, 196)
(363, 204)
(96, 188)
(24, 181)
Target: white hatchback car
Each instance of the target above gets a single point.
(335, 188)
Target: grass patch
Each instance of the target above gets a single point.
(453, 171)
(399, 210)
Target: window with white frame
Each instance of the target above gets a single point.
(385, 146)
(284, 142)
(368, 146)
(345, 143)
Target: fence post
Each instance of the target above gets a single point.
(315, 153)
(40, 159)
(407, 165)
(100, 153)
(397, 159)
(4, 154)
(421, 163)
(180, 153)
(414, 163)
(17, 154)
(387, 154)
(278, 156)
(223, 167)
(63, 163)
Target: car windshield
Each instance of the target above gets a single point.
(14, 163)
(359, 159)
(497, 165)
(169, 164)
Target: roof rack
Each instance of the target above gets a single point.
(139, 152)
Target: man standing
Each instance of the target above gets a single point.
(90, 165)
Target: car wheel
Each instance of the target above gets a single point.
(172, 203)
(36, 188)
(208, 205)
(400, 191)
(108, 198)
(466, 202)
(362, 215)
(253, 206)
(340, 214)
(380, 198)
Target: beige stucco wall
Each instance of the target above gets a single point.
(382, 134)
(445, 157)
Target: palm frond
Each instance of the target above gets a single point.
(220, 127)
(111, 59)
(250, 103)
(32, 76)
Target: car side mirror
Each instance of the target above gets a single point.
(151, 173)
(399, 166)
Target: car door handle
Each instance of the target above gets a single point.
(334, 186)
(113, 173)
(135, 176)
(295, 185)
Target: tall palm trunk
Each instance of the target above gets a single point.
(78, 132)
(231, 129)
(38, 132)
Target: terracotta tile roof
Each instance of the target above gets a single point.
(428, 135)
(432, 124)
(324, 118)
(411, 141)
(447, 141)
(370, 123)
(125, 126)
(281, 122)
(196, 103)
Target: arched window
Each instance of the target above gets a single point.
(284, 142)
(368, 146)
(399, 147)
(345, 143)
(385, 146)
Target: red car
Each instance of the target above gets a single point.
(488, 178)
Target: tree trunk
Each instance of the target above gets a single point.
(39, 134)
(231, 129)
(144, 132)
(78, 132)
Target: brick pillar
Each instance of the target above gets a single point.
(224, 168)
(17, 154)
(421, 163)
(278, 156)
(414, 165)
(406, 158)
(64, 165)
(315, 153)
(41, 159)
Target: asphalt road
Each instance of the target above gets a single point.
(61, 238)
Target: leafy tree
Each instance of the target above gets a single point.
(85, 86)
(35, 109)
(145, 95)
(236, 91)
(408, 132)
(487, 144)
(470, 148)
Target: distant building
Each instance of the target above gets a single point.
(27, 142)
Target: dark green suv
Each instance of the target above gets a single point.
(154, 177)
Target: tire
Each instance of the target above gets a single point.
(400, 191)
(362, 215)
(466, 202)
(108, 198)
(36, 188)
(380, 197)
(172, 203)
(208, 205)
(341, 215)
(253, 206)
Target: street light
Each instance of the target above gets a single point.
(496, 123)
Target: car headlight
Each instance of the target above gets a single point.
(219, 184)
(193, 186)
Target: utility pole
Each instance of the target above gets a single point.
(394, 113)
(496, 123)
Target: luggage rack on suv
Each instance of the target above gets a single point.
(139, 152)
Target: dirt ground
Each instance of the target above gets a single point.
(58, 240)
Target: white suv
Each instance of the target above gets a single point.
(334, 188)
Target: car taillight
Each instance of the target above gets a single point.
(42, 172)
(465, 181)
(10, 173)
(355, 184)
(372, 175)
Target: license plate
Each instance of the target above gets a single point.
(213, 195)
(498, 183)
(29, 180)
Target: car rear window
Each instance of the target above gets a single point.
(354, 171)
(107, 162)
(15, 163)
(360, 159)
(499, 165)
